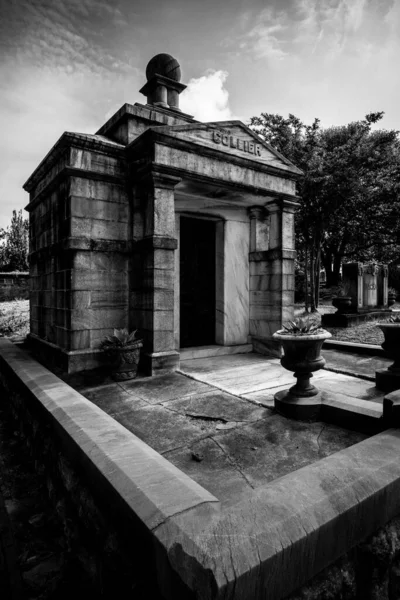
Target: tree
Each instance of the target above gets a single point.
(14, 244)
(349, 194)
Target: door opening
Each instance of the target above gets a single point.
(197, 282)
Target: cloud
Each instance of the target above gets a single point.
(296, 28)
(69, 34)
(206, 97)
(266, 39)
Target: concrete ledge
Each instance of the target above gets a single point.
(267, 546)
(352, 319)
(359, 415)
(292, 528)
(369, 349)
(214, 350)
(151, 486)
(387, 380)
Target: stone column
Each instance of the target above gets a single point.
(271, 258)
(384, 284)
(360, 284)
(153, 277)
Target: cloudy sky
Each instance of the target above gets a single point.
(68, 65)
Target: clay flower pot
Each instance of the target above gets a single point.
(127, 361)
(391, 345)
(124, 351)
(342, 303)
(302, 354)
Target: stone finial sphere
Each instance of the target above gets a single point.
(164, 64)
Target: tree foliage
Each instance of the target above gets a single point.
(14, 244)
(349, 193)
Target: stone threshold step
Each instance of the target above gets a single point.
(214, 350)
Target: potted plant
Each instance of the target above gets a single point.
(342, 301)
(124, 350)
(392, 295)
(302, 341)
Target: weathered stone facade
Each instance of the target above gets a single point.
(107, 213)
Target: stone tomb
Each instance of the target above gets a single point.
(367, 285)
(182, 229)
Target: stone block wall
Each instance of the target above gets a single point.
(369, 572)
(116, 562)
(79, 259)
(50, 267)
(272, 282)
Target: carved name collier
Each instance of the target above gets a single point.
(219, 137)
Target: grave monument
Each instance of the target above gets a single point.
(366, 288)
(182, 229)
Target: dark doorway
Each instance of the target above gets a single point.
(197, 282)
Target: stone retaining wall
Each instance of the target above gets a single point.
(141, 528)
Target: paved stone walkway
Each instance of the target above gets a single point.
(215, 419)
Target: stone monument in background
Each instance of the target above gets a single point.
(366, 287)
(182, 229)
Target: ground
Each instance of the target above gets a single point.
(14, 318)
(14, 321)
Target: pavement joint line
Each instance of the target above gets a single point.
(233, 462)
(319, 435)
(218, 387)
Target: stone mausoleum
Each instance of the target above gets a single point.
(182, 229)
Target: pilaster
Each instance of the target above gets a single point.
(271, 259)
(153, 274)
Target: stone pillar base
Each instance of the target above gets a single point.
(387, 380)
(159, 363)
(266, 346)
(295, 407)
(73, 361)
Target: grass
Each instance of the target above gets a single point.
(14, 318)
(364, 333)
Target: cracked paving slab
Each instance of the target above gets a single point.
(271, 448)
(217, 405)
(164, 387)
(215, 472)
(228, 442)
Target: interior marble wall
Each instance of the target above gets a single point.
(232, 277)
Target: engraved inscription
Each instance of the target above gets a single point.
(229, 140)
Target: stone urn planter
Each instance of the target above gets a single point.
(342, 303)
(301, 341)
(392, 296)
(388, 379)
(124, 350)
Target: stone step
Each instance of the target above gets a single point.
(214, 350)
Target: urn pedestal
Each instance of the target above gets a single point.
(388, 379)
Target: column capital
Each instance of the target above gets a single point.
(282, 204)
(257, 212)
(160, 180)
